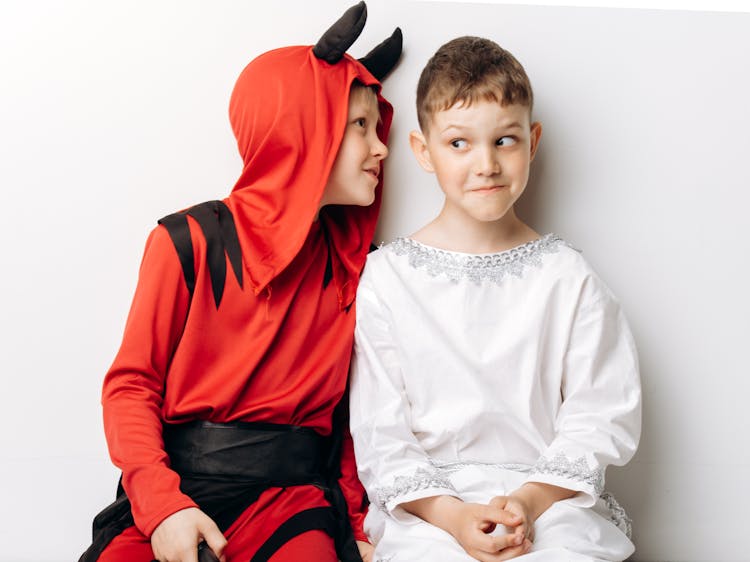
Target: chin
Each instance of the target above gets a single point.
(365, 200)
(489, 216)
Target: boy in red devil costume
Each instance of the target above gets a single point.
(221, 407)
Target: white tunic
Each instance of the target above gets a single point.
(473, 374)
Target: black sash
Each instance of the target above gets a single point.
(224, 468)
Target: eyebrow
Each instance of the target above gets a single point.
(513, 125)
(376, 112)
(369, 113)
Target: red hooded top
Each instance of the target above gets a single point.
(277, 348)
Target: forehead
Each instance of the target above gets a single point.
(363, 99)
(481, 114)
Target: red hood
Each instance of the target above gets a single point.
(288, 111)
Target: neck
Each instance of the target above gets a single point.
(452, 231)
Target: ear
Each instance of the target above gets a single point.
(536, 135)
(418, 145)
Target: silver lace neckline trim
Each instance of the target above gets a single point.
(494, 267)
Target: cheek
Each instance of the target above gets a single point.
(349, 164)
(450, 168)
(518, 165)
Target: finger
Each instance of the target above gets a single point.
(482, 543)
(522, 530)
(499, 501)
(213, 537)
(493, 544)
(205, 554)
(514, 551)
(483, 556)
(487, 526)
(186, 555)
(501, 516)
(507, 541)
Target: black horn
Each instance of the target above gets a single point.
(381, 60)
(340, 36)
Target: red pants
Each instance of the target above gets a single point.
(248, 533)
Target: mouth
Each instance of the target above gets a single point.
(488, 189)
(374, 171)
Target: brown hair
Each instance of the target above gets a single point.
(467, 69)
(360, 89)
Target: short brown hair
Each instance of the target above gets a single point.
(467, 69)
(360, 89)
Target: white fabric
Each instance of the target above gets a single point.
(473, 374)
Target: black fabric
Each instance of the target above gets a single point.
(217, 264)
(179, 232)
(339, 37)
(270, 452)
(346, 546)
(205, 554)
(217, 223)
(328, 274)
(383, 58)
(315, 519)
(231, 241)
(109, 523)
(222, 499)
(287, 455)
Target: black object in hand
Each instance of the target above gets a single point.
(205, 554)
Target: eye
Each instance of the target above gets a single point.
(459, 143)
(361, 122)
(506, 141)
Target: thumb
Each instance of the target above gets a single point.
(213, 536)
(503, 503)
(497, 514)
(499, 501)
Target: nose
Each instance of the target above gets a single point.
(377, 148)
(488, 162)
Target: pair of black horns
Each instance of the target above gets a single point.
(340, 36)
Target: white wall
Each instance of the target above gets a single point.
(114, 114)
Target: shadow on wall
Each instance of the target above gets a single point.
(633, 485)
(531, 206)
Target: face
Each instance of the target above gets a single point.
(356, 170)
(480, 154)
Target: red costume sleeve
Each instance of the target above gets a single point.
(133, 390)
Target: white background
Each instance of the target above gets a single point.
(114, 114)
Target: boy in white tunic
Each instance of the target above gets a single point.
(494, 376)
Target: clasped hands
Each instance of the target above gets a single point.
(472, 524)
(475, 523)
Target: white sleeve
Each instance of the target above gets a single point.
(391, 463)
(599, 421)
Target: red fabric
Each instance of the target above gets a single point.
(288, 111)
(276, 350)
(248, 533)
